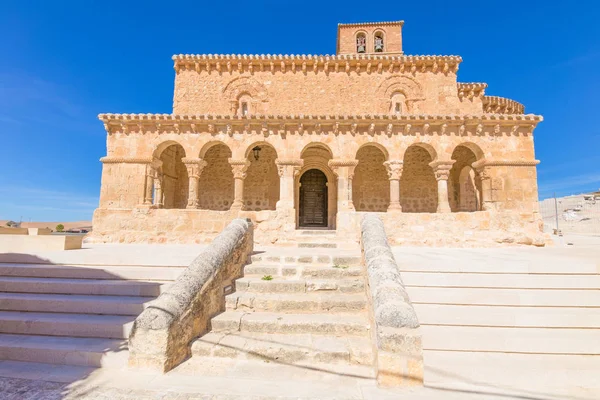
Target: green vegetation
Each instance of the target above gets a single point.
(267, 278)
(60, 227)
(340, 266)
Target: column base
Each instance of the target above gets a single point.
(394, 207)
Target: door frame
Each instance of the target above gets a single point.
(325, 204)
(331, 192)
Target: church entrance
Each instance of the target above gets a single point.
(313, 199)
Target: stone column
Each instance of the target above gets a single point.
(158, 193)
(152, 170)
(484, 175)
(194, 168)
(239, 168)
(394, 170)
(287, 170)
(344, 170)
(441, 169)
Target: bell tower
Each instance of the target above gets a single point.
(370, 38)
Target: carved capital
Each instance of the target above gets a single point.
(338, 163)
(289, 166)
(194, 166)
(441, 169)
(239, 168)
(394, 169)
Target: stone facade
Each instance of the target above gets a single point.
(390, 133)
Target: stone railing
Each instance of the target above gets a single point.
(501, 105)
(397, 337)
(162, 334)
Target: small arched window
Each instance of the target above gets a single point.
(398, 105)
(378, 42)
(244, 103)
(361, 43)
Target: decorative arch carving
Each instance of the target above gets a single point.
(409, 87)
(249, 86)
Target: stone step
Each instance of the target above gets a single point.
(82, 304)
(55, 324)
(292, 257)
(316, 232)
(80, 286)
(527, 281)
(510, 264)
(266, 322)
(317, 245)
(296, 303)
(511, 340)
(310, 270)
(505, 297)
(512, 375)
(91, 272)
(285, 348)
(255, 283)
(549, 317)
(91, 352)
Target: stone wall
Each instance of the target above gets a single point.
(370, 185)
(261, 186)
(303, 92)
(418, 187)
(397, 337)
(162, 334)
(216, 180)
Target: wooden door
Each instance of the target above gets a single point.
(313, 199)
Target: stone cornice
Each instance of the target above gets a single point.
(501, 163)
(384, 23)
(492, 124)
(502, 105)
(329, 63)
(126, 160)
(470, 90)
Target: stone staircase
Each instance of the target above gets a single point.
(74, 314)
(297, 308)
(514, 321)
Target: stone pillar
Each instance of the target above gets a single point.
(158, 193)
(441, 169)
(194, 168)
(394, 170)
(152, 170)
(287, 170)
(239, 168)
(344, 170)
(484, 175)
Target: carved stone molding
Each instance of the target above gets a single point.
(509, 163)
(340, 162)
(126, 160)
(394, 169)
(194, 166)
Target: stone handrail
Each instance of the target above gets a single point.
(162, 334)
(397, 337)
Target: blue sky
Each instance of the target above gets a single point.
(64, 62)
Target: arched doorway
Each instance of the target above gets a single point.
(313, 199)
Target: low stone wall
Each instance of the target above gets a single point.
(162, 334)
(397, 338)
(462, 229)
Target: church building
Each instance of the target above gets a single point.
(313, 142)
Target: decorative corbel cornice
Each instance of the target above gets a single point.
(504, 163)
(126, 160)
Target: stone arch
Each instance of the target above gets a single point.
(394, 84)
(379, 33)
(261, 186)
(427, 147)
(464, 187)
(250, 89)
(418, 186)
(370, 185)
(173, 175)
(216, 187)
(316, 155)
(360, 34)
